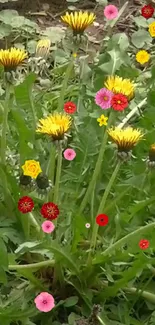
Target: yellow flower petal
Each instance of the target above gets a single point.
(142, 57)
(43, 47)
(55, 125)
(125, 138)
(12, 58)
(119, 85)
(152, 29)
(78, 21)
(102, 120)
(31, 168)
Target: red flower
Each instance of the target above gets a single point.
(147, 11)
(70, 107)
(144, 243)
(102, 219)
(25, 204)
(49, 211)
(119, 102)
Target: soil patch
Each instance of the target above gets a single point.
(48, 13)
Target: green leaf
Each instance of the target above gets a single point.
(64, 255)
(55, 34)
(3, 276)
(141, 38)
(22, 92)
(126, 277)
(7, 16)
(3, 255)
(151, 98)
(5, 30)
(140, 21)
(24, 247)
(71, 301)
(32, 278)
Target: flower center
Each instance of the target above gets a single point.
(44, 301)
(147, 11)
(105, 98)
(102, 219)
(26, 205)
(118, 102)
(50, 210)
(32, 168)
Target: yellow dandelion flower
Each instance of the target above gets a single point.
(152, 29)
(43, 47)
(12, 58)
(78, 21)
(119, 85)
(102, 120)
(31, 168)
(125, 138)
(142, 57)
(55, 125)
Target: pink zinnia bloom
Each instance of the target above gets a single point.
(69, 154)
(44, 302)
(48, 226)
(110, 12)
(87, 225)
(103, 98)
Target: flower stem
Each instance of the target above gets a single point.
(64, 85)
(32, 266)
(58, 174)
(97, 167)
(4, 124)
(50, 171)
(34, 222)
(27, 221)
(102, 204)
(145, 294)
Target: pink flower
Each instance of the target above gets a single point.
(87, 225)
(110, 12)
(103, 98)
(48, 226)
(44, 302)
(69, 154)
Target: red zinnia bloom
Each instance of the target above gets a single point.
(102, 219)
(70, 107)
(144, 243)
(25, 204)
(49, 211)
(147, 11)
(119, 102)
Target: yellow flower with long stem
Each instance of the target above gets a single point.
(126, 138)
(78, 21)
(142, 57)
(55, 125)
(12, 58)
(119, 85)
